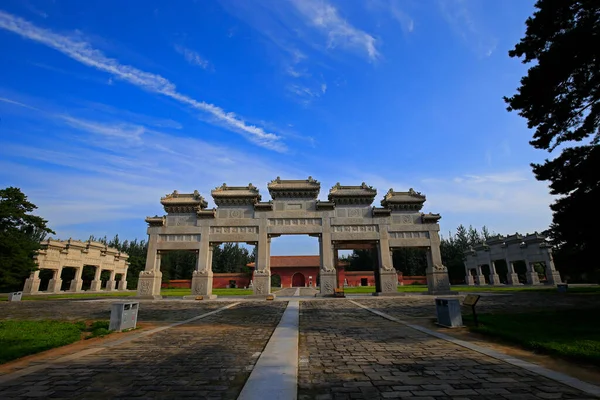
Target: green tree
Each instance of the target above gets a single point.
(20, 236)
(560, 98)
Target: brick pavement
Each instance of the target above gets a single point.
(349, 353)
(208, 358)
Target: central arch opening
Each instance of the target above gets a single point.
(295, 260)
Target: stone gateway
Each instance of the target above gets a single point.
(345, 220)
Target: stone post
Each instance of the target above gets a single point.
(552, 275)
(531, 274)
(151, 277)
(96, 283)
(511, 277)
(328, 275)
(32, 284)
(387, 272)
(438, 281)
(493, 277)
(202, 277)
(468, 277)
(111, 284)
(55, 283)
(123, 281)
(479, 279)
(261, 279)
(77, 281)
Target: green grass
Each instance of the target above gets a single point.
(525, 288)
(218, 292)
(572, 334)
(22, 338)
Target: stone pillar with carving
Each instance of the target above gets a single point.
(511, 277)
(77, 282)
(494, 279)
(479, 278)
(151, 278)
(552, 275)
(32, 284)
(111, 284)
(468, 277)
(97, 282)
(531, 274)
(327, 273)
(55, 283)
(202, 278)
(123, 281)
(438, 281)
(261, 280)
(387, 272)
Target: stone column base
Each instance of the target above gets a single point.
(96, 286)
(202, 282)
(149, 284)
(553, 277)
(513, 279)
(111, 285)
(532, 278)
(389, 282)
(54, 285)
(469, 280)
(438, 281)
(480, 280)
(76, 285)
(122, 285)
(328, 282)
(494, 279)
(32, 286)
(261, 283)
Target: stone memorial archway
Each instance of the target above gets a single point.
(240, 216)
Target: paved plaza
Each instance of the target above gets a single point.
(344, 351)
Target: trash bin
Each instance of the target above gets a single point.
(448, 312)
(123, 316)
(15, 296)
(562, 287)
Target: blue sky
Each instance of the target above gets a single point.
(107, 106)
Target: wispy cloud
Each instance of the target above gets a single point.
(460, 18)
(84, 53)
(326, 18)
(192, 57)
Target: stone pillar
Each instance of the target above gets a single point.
(96, 285)
(327, 272)
(55, 283)
(479, 279)
(438, 281)
(468, 277)
(387, 272)
(151, 277)
(77, 281)
(32, 284)
(261, 280)
(111, 284)
(532, 276)
(123, 281)
(511, 277)
(493, 277)
(202, 278)
(552, 275)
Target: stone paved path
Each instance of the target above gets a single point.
(208, 358)
(349, 353)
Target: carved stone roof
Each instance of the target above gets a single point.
(235, 195)
(77, 245)
(430, 218)
(381, 212)
(534, 238)
(182, 202)
(495, 240)
(155, 221)
(516, 238)
(212, 213)
(362, 194)
(410, 200)
(264, 206)
(325, 205)
(296, 189)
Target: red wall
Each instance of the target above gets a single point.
(219, 281)
(287, 273)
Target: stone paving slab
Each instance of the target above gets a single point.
(349, 353)
(208, 358)
(149, 311)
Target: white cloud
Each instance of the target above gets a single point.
(83, 52)
(326, 18)
(192, 57)
(323, 88)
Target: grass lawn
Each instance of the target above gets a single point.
(22, 338)
(573, 334)
(218, 292)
